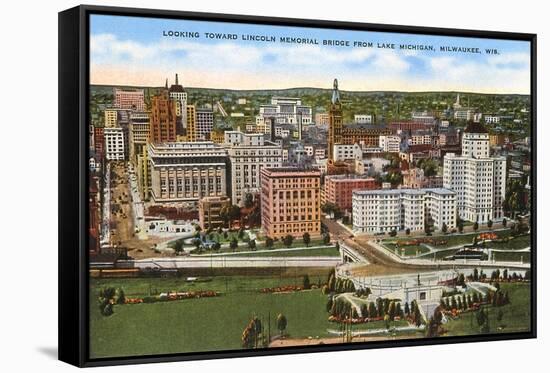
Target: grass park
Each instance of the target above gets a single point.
(298, 252)
(516, 316)
(200, 324)
(217, 323)
(452, 241)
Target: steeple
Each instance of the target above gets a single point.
(166, 84)
(176, 78)
(335, 93)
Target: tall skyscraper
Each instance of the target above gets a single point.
(291, 202)
(163, 118)
(204, 123)
(191, 123)
(248, 154)
(478, 179)
(178, 94)
(335, 121)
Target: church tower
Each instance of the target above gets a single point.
(335, 121)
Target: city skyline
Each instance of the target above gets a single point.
(301, 210)
(133, 52)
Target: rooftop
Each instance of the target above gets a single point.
(442, 191)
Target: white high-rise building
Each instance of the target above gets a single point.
(363, 119)
(114, 143)
(478, 179)
(390, 143)
(385, 210)
(285, 110)
(248, 154)
(346, 152)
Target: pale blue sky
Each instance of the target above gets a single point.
(133, 51)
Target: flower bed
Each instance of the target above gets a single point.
(425, 240)
(282, 289)
(357, 320)
(164, 297)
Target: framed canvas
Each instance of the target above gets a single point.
(234, 186)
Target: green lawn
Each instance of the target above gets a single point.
(324, 251)
(297, 243)
(516, 315)
(139, 287)
(201, 324)
(513, 257)
(517, 243)
(452, 240)
(209, 324)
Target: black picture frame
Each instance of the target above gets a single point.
(73, 182)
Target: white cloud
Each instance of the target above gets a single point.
(232, 65)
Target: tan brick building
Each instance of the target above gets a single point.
(163, 119)
(291, 202)
(210, 211)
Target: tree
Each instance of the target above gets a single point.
(326, 238)
(306, 283)
(121, 297)
(408, 231)
(287, 240)
(178, 246)
(107, 309)
(444, 228)
(330, 303)
(248, 200)
(392, 310)
(407, 309)
(476, 226)
(393, 233)
(504, 222)
(454, 305)
(216, 246)
(399, 310)
(460, 281)
(252, 244)
(281, 323)
(197, 243)
(434, 324)
(460, 224)
(269, 242)
(234, 212)
(331, 282)
(331, 208)
(490, 224)
(307, 238)
(372, 310)
(233, 244)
